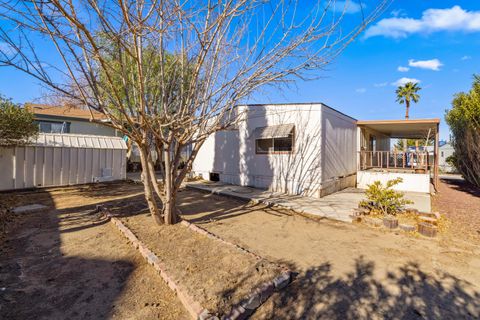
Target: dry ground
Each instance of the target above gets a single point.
(347, 271)
(216, 275)
(71, 264)
(460, 203)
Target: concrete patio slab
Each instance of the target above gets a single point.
(337, 206)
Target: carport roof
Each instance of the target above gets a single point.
(414, 129)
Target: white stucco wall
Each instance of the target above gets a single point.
(411, 182)
(232, 153)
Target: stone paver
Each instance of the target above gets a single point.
(337, 206)
(29, 208)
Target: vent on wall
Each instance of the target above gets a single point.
(214, 176)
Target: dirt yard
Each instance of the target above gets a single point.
(71, 264)
(347, 271)
(460, 203)
(216, 275)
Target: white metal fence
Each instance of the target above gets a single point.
(62, 159)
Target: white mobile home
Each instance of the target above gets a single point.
(307, 149)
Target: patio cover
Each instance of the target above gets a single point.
(403, 129)
(408, 129)
(269, 132)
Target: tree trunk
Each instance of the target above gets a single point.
(147, 185)
(153, 178)
(169, 206)
(407, 104)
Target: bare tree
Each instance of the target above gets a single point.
(168, 73)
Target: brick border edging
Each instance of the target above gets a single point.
(193, 307)
(239, 311)
(259, 295)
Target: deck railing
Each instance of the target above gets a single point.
(394, 160)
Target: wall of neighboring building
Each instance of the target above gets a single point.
(84, 127)
(444, 152)
(80, 126)
(232, 154)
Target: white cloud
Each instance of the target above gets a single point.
(403, 69)
(360, 90)
(379, 85)
(404, 80)
(432, 20)
(465, 58)
(433, 64)
(348, 7)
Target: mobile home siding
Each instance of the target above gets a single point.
(324, 150)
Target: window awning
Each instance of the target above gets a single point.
(278, 131)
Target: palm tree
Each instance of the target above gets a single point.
(407, 93)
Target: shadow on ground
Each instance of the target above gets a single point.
(320, 291)
(39, 282)
(408, 293)
(462, 185)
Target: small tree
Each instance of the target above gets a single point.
(16, 123)
(464, 122)
(384, 199)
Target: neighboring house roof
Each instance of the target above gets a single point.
(446, 146)
(43, 111)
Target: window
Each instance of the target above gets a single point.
(272, 139)
(53, 127)
(272, 145)
(442, 154)
(264, 145)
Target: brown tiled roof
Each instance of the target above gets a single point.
(64, 111)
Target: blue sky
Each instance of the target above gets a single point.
(435, 42)
(442, 51)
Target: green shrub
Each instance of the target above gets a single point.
(464, 121)
(383, 199)
(17, 125)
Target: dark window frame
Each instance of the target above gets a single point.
(39, 123)
(273, 151)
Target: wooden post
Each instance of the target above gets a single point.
(435, 155)
(395, 157)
